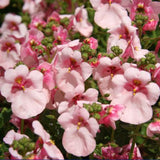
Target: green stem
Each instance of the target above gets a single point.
(112, 135)
(134, 141)
(22, 126)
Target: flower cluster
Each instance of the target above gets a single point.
(73, 74)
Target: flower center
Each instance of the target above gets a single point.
(20, 84)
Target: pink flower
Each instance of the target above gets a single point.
(46, 148)
(114, 13)
(74, 45)
(93, 43)
(125, 36)
(72, 60)
(110, 152)
(34, 7)
(90, 95)
(36, 22)
(4, 4)
(139, 93)
(156, 74)
(29, 54)
(69, 82)
(60, 35)
(9, 138)
(12, 25)
(24, 89)
(148, 8)
(153, 128)
(10, 52)
(105, 71)
(48, 75)
(81, 23)
(110, 114)
(80, 130)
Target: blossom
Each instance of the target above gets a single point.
(24, 89)
(80, 22)
(110, 152)
(48, 75)
(13, 26)
(110, 114)
(70, 83)
(72, 60)
(28, 53)
(10, 52)
(148, 8)
(114, 13)
(104, 72)
(90, 95)
(33, 7)
(48, 149)
(139, 93)
(4, 4)
(80, 130)
(153, 128)
(9, 139)
(93, 43)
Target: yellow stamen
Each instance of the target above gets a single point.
(18, 80)
(52, 142)
(69, 69)
(136, 48)
(120, 36)
(134, 91)
(23, 88)
(78, 125)
(140, 5)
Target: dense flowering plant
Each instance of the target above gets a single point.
(79, 80)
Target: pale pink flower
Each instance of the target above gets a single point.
(47, 148)
(48, 75)
(148, 8)
(80, 130)
(69, 82)
(60, 35)
(74, 45)
(4, 4)
(114, 13)
(10, 52)
(110, 114)
(153, 128)
(89, 96)
(104, 73)
(139, 93)
(125, 36)
(36, 22)
(9, 138)
(13, 26)
(34, 7)
(24, 89)
(110, 152)
(93, 43)
(81, 23)
(150, 25)
(54, 16)
(156, 74)
(72, 60)
(27, 53)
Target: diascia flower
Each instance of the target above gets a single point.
(24, 89)
(153, 128)
(139, 93)
(45, 147)
(108, 14)
(80, 130)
